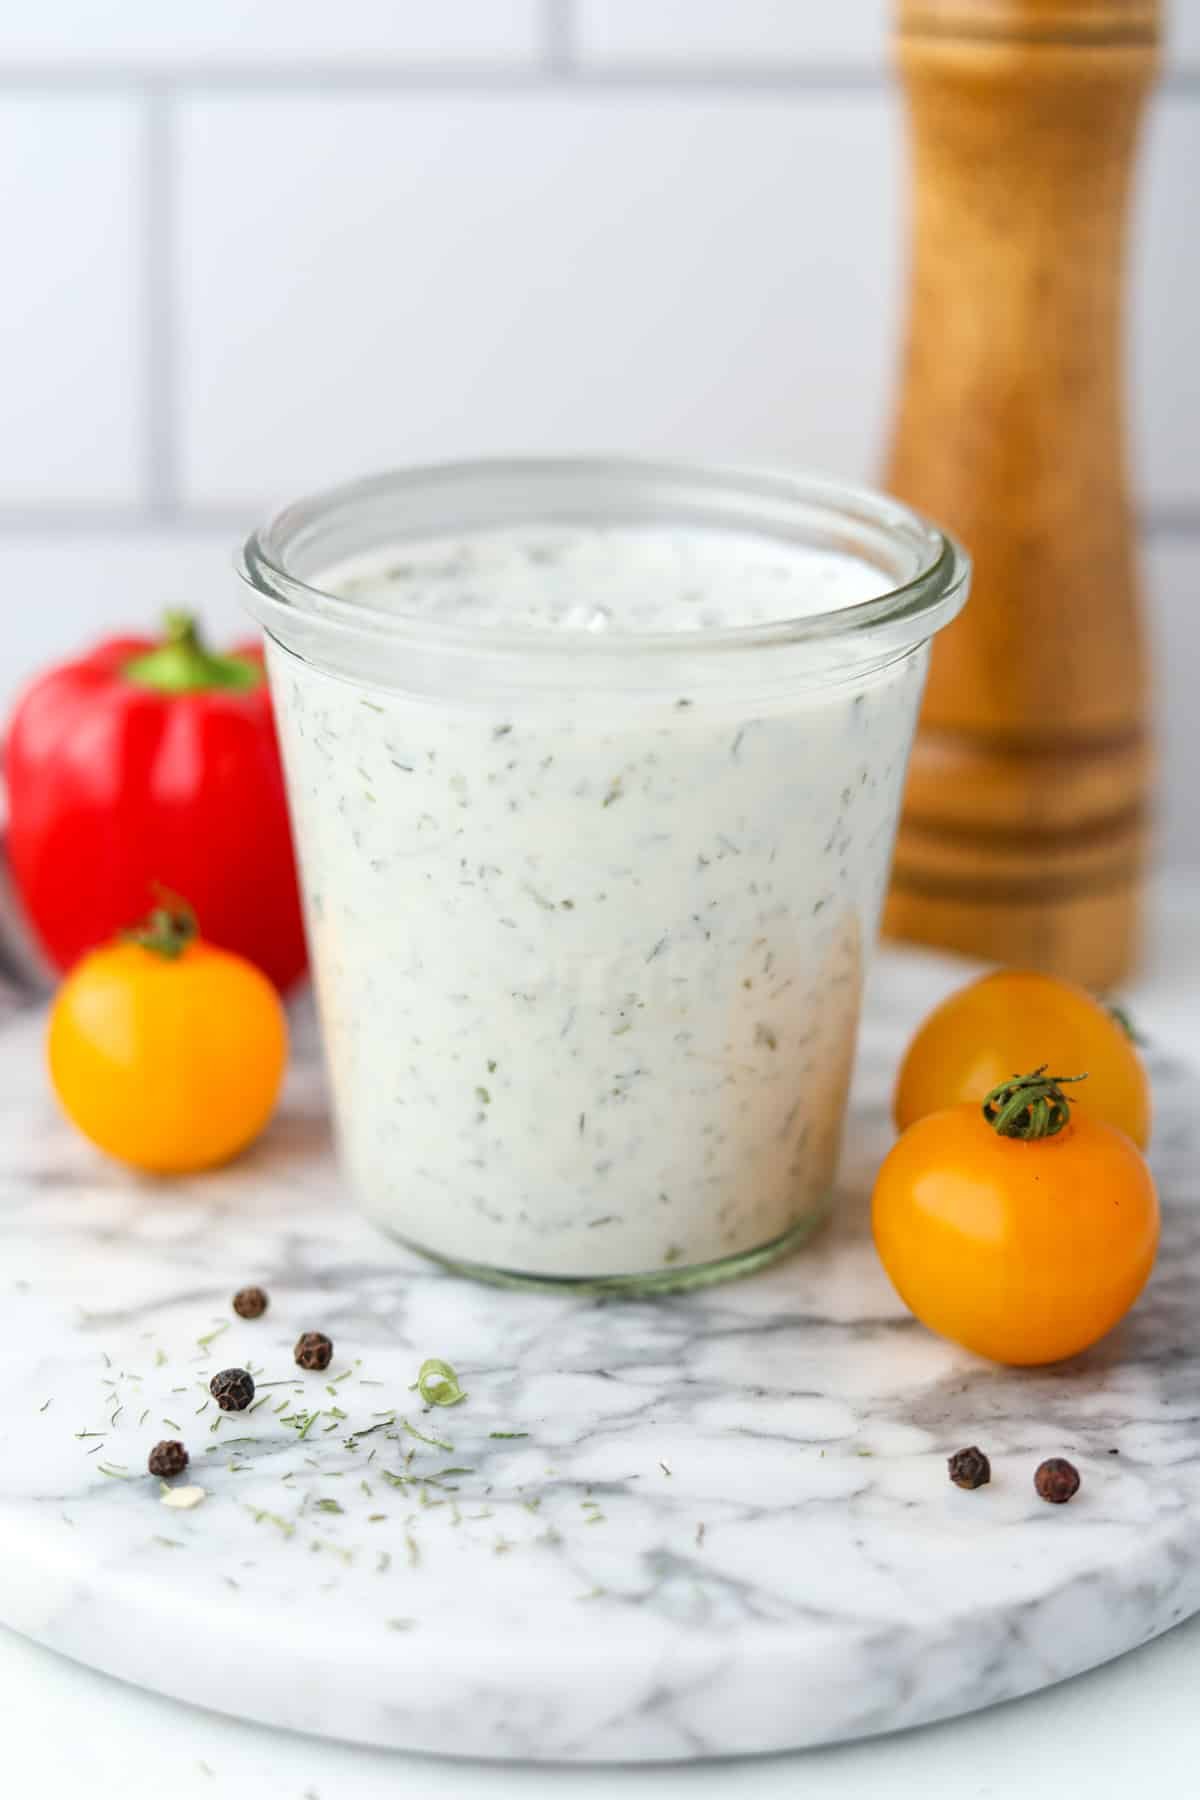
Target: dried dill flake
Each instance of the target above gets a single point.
(314, 1350)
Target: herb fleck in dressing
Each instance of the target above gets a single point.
(590, 980)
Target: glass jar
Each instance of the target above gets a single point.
(594, 768)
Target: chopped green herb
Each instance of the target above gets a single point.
(329, 1506)
(414, 1550)
(437, 1383)
(437, 1443)
(508, 1434)
(45, 1404)
(210, 1336)
(173, 1423)
(382, 1425)
(261, 1515)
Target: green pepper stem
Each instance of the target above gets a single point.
(169, 927)
(1030, 1106)
(183, 663)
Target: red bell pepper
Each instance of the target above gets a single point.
(151, 760)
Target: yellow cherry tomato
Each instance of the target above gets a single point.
(165, 1051)
(1009, 1022)
(1023, 1251)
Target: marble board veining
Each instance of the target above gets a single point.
(679, 1528)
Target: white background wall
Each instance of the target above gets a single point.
(253, 246)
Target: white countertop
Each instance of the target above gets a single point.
(69, 1730)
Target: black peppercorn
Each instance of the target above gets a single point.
(250, 1303)
(1056, 1480)
(969, 1468)
(168, 1458)
(314, 1350)
(232, 1389)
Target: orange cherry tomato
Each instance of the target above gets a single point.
(1023, 1251)
(1012, 1021)
(165, 1051)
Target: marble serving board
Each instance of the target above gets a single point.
(680, 1528)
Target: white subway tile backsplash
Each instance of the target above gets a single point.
(1165, 306)
(370, 281)
(1183, 34)
(765, 33)
(62, 592)
(71, 392)
(188, 34)
(1172, 576)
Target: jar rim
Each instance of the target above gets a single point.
(789, 508)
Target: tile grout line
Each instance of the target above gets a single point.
(558, 33)
(160, 359)
(558, 69)
(556, 66)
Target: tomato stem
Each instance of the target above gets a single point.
(169, 927)
(1030, 1106)
(184, 664)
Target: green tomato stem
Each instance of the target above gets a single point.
(169, 927)
(1030, 1106)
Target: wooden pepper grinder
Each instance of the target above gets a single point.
(1024, 825)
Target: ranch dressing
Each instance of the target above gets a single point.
(590, 978)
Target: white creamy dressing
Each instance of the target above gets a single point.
(590, 981)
